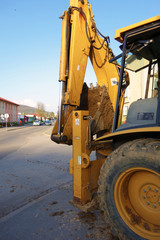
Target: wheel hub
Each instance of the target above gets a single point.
(150, 195)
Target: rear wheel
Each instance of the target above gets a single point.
(129, 190)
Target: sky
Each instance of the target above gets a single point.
(30, 39)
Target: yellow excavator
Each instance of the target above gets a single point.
(126, 171)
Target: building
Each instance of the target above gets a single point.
(22, 118)
(31, 117)
(9, 107)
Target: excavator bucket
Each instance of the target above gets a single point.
(97, 101)
(100, 109)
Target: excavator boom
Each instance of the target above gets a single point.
(81, 39)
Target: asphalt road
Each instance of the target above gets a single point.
(35, 190)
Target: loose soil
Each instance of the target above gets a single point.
(100, 108)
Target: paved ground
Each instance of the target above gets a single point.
(35, 190)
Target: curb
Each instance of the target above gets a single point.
(13, 128)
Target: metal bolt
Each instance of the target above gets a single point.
(148, 203)
(144, 197)
(149, 188)
(156, 190)
(144, 190)
(154, 205)
(159, 203)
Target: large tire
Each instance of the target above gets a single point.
(129, 190)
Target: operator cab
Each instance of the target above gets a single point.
(141, 59)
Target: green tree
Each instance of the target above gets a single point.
(51, 115)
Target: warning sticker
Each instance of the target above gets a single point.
(79, 160)
(78, 67)
(77, 121)
(113, 81)
(77, 138)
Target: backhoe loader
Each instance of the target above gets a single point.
(126, 171)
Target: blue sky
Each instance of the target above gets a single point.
(30, 38)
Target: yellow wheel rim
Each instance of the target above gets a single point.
(137, 199)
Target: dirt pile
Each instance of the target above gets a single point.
(100, 108)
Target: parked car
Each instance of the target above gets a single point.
(36, 123)
(47, 122)
(53, 121)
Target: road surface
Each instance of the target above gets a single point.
(35, 190)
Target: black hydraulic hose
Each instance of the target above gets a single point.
(106, 39)
(99, 66)
(67, 46)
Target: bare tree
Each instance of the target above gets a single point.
(40, 110)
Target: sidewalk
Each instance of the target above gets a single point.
(47, 129)
(15, 127)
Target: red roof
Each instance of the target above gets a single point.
(5, 100)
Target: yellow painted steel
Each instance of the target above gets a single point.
(137, 199)
(80, 49)
(119, 34)
(62, 70)
(80, 174)
(75, 3)
(79, 143)
(128, 132)
(85, 172)
(76, 47)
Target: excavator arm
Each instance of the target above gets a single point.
(80, 40)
